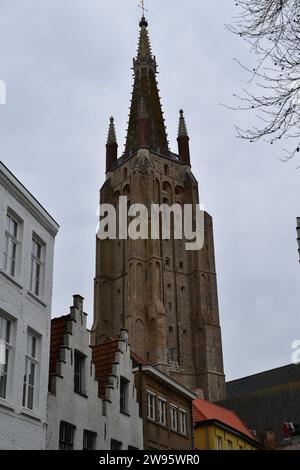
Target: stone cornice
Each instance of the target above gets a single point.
(27, 200)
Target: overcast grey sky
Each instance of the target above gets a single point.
(66, 64)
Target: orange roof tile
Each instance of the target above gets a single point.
(204, 410)
(103, 357)
(58, 329)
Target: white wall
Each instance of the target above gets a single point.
(20, 428)
(85, 413)
(123, 428)
(91, 413)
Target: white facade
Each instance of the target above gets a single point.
(73, 413)
(27, 235)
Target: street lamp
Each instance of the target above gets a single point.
(298, 235)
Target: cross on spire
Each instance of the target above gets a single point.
(142, 6)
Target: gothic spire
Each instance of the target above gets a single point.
(111, 146)
(183, 140)
(145, 101)
(182, 130)
(111, 138)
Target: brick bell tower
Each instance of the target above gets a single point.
(165, 296)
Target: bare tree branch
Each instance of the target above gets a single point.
(272, 28)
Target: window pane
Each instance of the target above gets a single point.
(39, 250)
(5, 253)
(78, 373)
(4, 374)
(33, 349)
(31, 274)
(3, 380)
(30, 397)
(66, 436)
(115, 445)
(123, 395)
(5, 329)
(89, 440)
(31, 374)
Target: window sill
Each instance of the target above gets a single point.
(125, 413)
(81, 394)
(6, 404)
(35, 297)
(11, 279)
(30, 414)
(163, 425)
(180, 433)
(152, 420)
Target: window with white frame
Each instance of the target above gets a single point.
(11, 245)
(162, 410)
(173, 417)
(30, 384)
(219, 443)
(37, 266)
(6, 351)
(151, 405)
(183, 422)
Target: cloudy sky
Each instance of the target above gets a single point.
(67, 64)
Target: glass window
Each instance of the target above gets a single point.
(151, 406)
(173, 412)
(79, 361)
(162, 410)
(6, 350)
(124, 395)
(37, 267)
(89, 440)
(66, 436)
(31, 370)
(219, 443)
(11, 245)
(183, 422)
(115, 445)
(229, 445)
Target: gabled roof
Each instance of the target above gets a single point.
(103, 357)
(206, 411)
(58, 329)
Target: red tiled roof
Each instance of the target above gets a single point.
(103, 357)
(204, 410)
(58, 328)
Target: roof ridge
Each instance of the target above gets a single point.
(260, 373)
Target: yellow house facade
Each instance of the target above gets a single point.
(213, 435)
(216, 428)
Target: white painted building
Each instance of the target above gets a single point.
(92, 399)
(27, 235)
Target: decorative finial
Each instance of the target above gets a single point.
(143, 21)
(111, 138)
(182, 130)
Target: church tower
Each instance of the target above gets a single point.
(165, 296)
